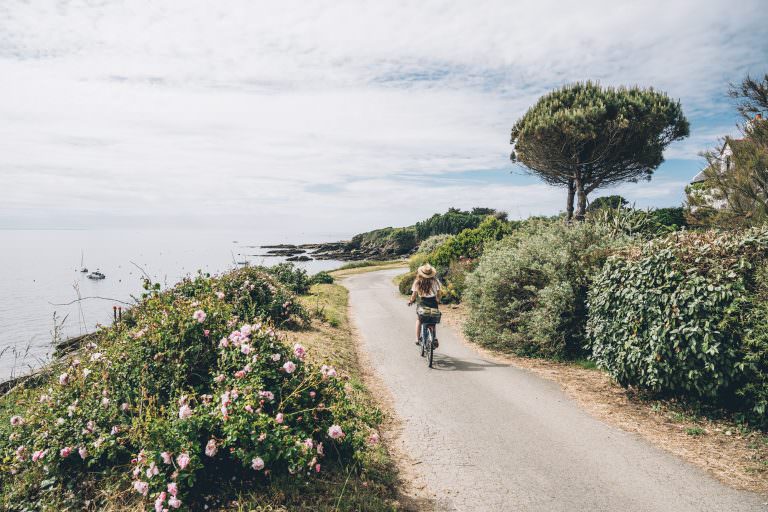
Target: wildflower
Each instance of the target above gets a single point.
(96, 356)
(173, 490)
(245, 349)
(139, 334)
(60, 421)
(44, 399)
(299, 351)
(185, 412)
(220, 295)
(267, 394)
(223, 343)
(312, 394)
(83, 452)
(247, 368)
(21, 453)
(16, 421)
(317, 468)
(373, 439)
(226, 398)
(257, 464)
(174, 502)
(219, 378)
(289, 367)
(320, 450)
(183, 460)
(65, 452)
(86, 372)
(279, 417)
(89, 427)
(125, 407)
(76, 362)
(246, 330)
(167, 459)
(115, 430)
(309, 444)
(275, 357)
(211, 448)
(38, 455)
(239, 374)
(262, 436)
(335, 432)
(64, 379)
(199, 315)
(248, 408)
(224, 412)
(141, 487)
(327, 371)
(104, 401)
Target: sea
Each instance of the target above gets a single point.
(44, 296)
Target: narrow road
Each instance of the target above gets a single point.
(493, 437)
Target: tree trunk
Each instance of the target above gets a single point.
(581, 208)
(569, 203)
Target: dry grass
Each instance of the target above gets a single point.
(338, 274)
(736, 456)
(331, 339)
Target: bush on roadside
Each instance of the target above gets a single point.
(432, 243)
(193, 397)
(406, 282)
(322, 277)
(685, 316)
(528, 292)
(294, 278)
(470, 242)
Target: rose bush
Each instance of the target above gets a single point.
(192, 390)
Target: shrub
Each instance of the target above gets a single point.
(193, 392)
(470, 242)
(294, 278)
(406, 282)
(322, 277)
(670, 217)
(452, 222)
(602, 202)
(432, 243)
(528, 292)
(682, 316)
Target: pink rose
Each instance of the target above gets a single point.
(174, 502)
(257, 464)
(167, 459)
(199, 315)
(289, 367)
(276, 357)
(141, 487)
(65, 452)
(220, 295)
(211, 448)
(83, 452)
(335, 432)
(317, 468)
(183, 460)
(219, 378)
(64, 379)
(38, 455)
(173, 490)
(245, 349)
(267, 394)
(299, 351)
(185, 412)
(16, 421)
(248, 408)
(239, 374)
(279, 417)
(373, 439)
(206, 333)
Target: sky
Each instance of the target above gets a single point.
(342, 115)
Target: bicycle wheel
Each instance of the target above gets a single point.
(430, 346)
(422, 339)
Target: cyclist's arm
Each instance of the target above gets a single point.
(413, 298)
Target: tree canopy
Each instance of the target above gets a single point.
(607, 202)
(736, 181)
(584, 136)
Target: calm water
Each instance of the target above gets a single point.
(39, 272)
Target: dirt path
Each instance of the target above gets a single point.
(493, 437)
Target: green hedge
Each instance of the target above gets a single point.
(528, 292)
(685, 315)
(470, 242)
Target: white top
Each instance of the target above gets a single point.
(433, 293)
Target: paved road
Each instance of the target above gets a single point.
(492, 437)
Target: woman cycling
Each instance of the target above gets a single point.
(426, 291)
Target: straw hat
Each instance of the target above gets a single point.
(426, 271)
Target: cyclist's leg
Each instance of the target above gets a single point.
(435, 344)
(418, 329)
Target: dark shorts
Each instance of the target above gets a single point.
(430, 302)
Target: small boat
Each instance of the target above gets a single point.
(82, 266)
(96, 275)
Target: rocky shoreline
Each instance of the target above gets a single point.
(342, 251)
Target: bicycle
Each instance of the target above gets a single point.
(427, 341)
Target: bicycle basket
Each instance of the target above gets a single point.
(428, 315)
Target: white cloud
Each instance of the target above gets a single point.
(192, 109)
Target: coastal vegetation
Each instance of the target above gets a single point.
(196, 399)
